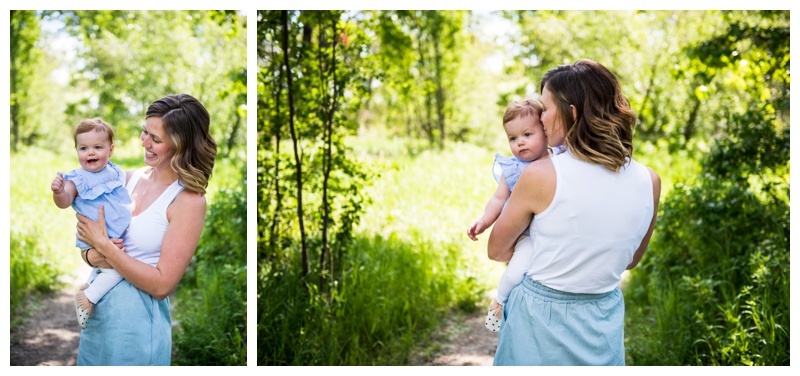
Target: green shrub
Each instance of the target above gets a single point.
(393, 295)
(212, 326)
(31, 270)
(409, 265)
(714, 288)
(211, 305)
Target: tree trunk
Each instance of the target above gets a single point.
(437, 58)
(273, 231)
(298, 162)
(232, 137)
(688, 131)
(327, 165)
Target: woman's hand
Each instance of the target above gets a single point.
(93, 233)
(97, 259)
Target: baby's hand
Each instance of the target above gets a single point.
(57, 186)
(118, 242)
(476, 228)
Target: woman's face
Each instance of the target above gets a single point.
(553, 124)
(158, 151)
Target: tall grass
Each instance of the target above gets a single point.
(211, 301)
(42, 236)
(408, 267)
(713, 288)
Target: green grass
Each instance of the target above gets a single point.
(42, 236)
(409, 266)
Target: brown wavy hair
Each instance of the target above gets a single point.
(602, 131)
(186, 124)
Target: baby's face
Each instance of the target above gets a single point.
(526, 138)
(94, 149)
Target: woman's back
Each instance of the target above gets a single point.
(589, 233)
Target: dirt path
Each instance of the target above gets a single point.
(464, 342)
(470, 344)
(51, 336)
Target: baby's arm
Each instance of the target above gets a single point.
(64, 191)
(491, 212)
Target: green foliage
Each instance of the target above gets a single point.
(399, 278)
(42, 241)
(31, 270)
(113, 64)
(211, 317)
(224, 239)
(309, 182)
(715, 286)
(212, 299)
(714, 289)
(390, 299)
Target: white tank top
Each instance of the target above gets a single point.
(587, 236)
(143, 237)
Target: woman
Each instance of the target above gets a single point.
(131, 325)
(591, 211)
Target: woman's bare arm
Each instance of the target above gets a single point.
(186, 217)
(646, 240)
(532, 194)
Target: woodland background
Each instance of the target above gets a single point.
(376, 132)
(71, 65)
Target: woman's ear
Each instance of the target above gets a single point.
(574, 112)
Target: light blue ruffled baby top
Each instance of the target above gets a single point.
(510, 168)
(107, 188)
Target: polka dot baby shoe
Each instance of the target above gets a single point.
(83, 316)
(492, 322)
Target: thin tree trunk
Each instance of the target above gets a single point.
(237, 121)
(423, 73)
(439, 89)
(273, 231)
(327, 166)
(688, 131)
(298, 162)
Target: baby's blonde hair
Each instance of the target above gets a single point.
(97, 125)
(519, 109)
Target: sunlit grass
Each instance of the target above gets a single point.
(409, 266)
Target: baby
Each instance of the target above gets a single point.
(98, 182)
(528, 143)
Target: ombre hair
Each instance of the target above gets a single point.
(96, 125)
(520, 109)
(186, 124)
(602, 131)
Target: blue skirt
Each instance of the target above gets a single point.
(127, 327)
(546, 327)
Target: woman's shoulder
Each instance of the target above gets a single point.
(187, 204)
(190, 200)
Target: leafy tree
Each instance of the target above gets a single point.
(419, 55)
(308, 93)
(26, 57)
(159, 53)
(722, 240)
